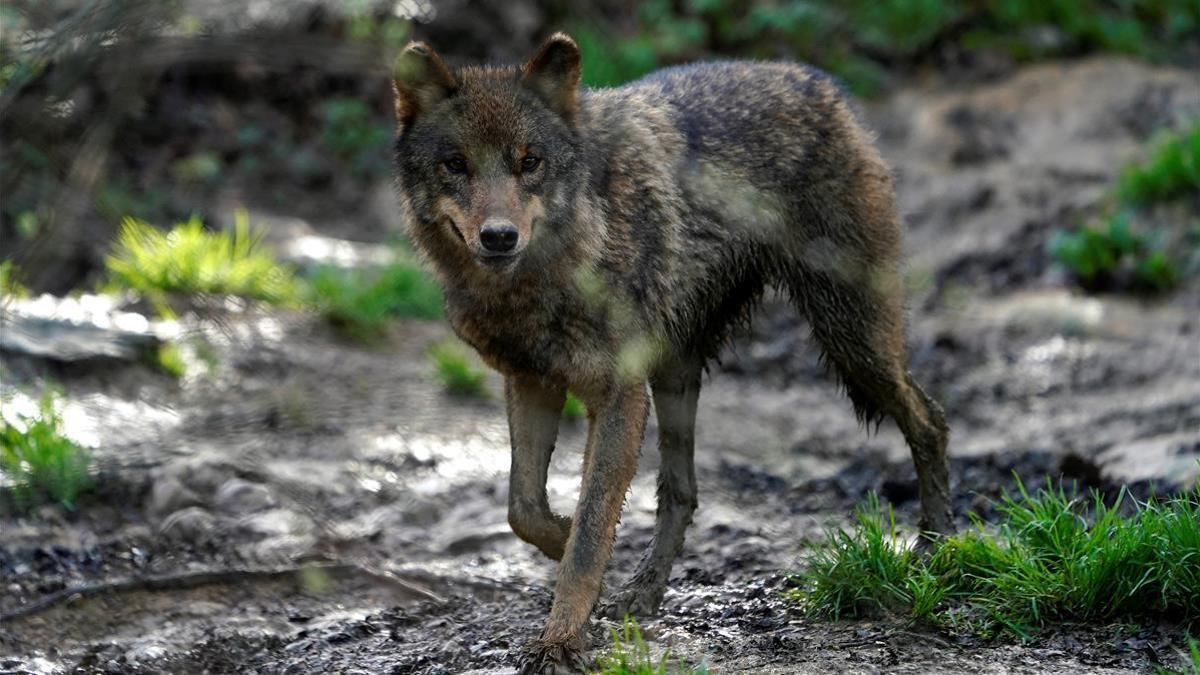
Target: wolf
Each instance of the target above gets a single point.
(609, 241)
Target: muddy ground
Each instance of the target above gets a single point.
(301, 451)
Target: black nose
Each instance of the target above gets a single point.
(498, 237)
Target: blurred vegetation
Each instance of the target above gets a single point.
(1171, 171)
(350, 129)
(1052, 557)
(573, 408)
(37, 462)
(190, 259)
(359, 303)
(1119, 250)
(10, 281)
(862, 42)
(454, 367)
(1109, 253)
(169, 359)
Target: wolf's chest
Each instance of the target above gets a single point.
(547, 341)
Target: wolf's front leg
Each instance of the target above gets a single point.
(534, 410)
(615, 442)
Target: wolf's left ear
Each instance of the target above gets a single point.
(554, 74)
(420, 79)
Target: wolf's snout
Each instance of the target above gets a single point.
(498, 236)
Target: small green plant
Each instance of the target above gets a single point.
(361, 302)
(37, 462)
(1053, 557)
(191, 259)
(1110, 253)
(10, 281)
(168, 358)
(629, 654)
(1171, 170)
(573, 408)
(862, 571)
(454, 369)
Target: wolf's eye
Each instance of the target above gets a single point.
(530, 163)
(455, 165)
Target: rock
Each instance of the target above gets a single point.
(169, 495)
(189, 524)
(75, 329)
(240, 496)
(276, 523)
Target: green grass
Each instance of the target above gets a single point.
(191, 259)
(10, 281)
(1052, 557)
(630, 655)
(37, 462)
(360, 303)
(1111, 253)
(169, 359)
(1116, 251)
(1171, 169)
(573, 408)
(455, 369)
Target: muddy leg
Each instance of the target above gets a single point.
(676, 390)
(859, 324)
(611, 463)
(533, 414)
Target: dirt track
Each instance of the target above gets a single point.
(301, 447)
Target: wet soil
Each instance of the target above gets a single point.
(299, 450)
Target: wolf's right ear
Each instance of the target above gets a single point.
(554, 74)
(419, 80)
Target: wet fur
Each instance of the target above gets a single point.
(662, 210)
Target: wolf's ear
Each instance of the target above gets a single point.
(420, 79)
(554, 74)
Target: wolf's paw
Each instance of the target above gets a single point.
(634, 600)
(540, 657)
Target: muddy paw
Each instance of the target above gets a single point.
(539, 657)
(636, 601)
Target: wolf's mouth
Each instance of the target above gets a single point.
(496, 260)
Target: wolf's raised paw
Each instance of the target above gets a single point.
(539, 657)
(637, 601)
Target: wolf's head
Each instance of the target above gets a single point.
(486, 156)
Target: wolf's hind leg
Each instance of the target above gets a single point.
(533, 415)
(676, 390)
(860, 329)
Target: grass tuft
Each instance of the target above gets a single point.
(1171, 171)
(37, 462)
(629, 653)
(10, 281)
(573, 408)
(1110, 254)
(169, 359)
(1053, 557)
(453, 367)
(191, 259)
(359, 303)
